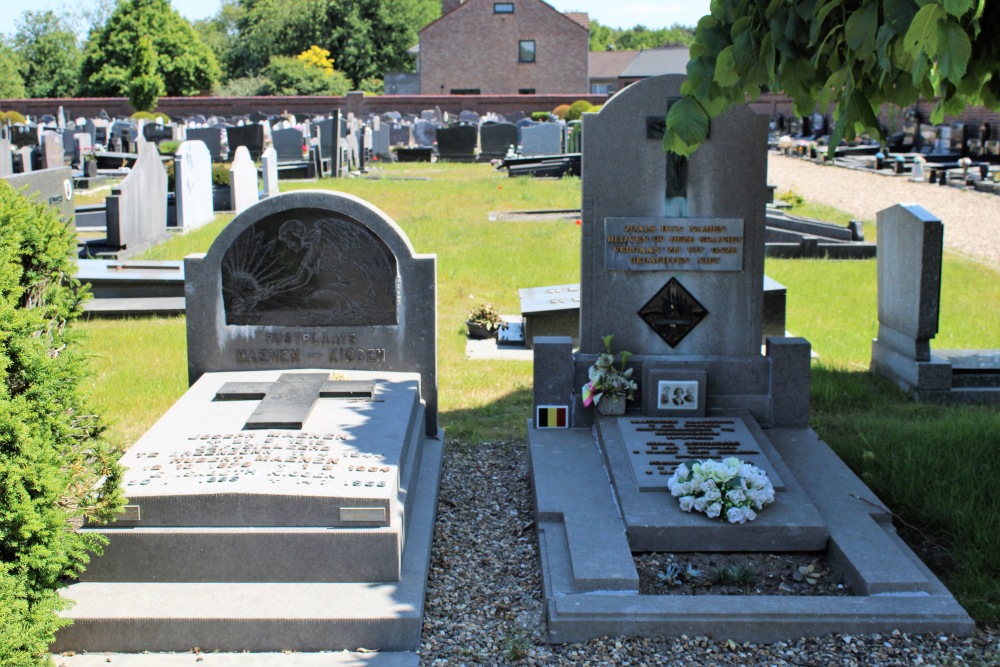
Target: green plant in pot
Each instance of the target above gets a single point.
(609, 386)
(484, 321)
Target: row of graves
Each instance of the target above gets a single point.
(286, 502)
(960, 154)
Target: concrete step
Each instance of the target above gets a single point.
(133, 617)
(326, 555)
(169, 305)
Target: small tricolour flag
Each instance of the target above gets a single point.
(552, 416)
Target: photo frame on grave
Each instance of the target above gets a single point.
(673, 391)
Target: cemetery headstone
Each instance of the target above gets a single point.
(6, 159)
(211, 137)
(424, 134)
(288, 144)
(251, 136)
(399, 134)
(457, 143)
(53, 152)
(496, 138)
(27, 155)
(672, 270)
(53, 187)
(541, 139)
(243, 180)
(269, 171)
(193, 184)
(286, 501)
(137, 208)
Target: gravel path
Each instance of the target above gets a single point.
(971, 219)
(484, 599)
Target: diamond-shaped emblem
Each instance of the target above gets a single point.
(672, 313)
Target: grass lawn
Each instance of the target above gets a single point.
(933, 466)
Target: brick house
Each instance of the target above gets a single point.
(504, 48)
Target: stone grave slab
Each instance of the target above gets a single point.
(495, 139)
(550, 311)
(643, 452)
(193, 184)
(137, 208)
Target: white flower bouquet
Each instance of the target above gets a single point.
(731, 489)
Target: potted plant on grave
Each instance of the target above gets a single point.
(484, 321)
(609, 386)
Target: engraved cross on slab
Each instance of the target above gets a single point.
(287, 402)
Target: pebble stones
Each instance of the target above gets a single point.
(484, 601)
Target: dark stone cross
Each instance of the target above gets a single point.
(287, 402)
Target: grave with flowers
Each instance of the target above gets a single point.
(713, 452)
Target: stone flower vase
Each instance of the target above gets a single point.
(480, 331)
(611, 404)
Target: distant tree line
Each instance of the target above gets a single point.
(144, 49)
(639, 38)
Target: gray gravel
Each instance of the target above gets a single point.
(484, 597)
(971, 219)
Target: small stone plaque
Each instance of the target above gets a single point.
(362, 515)
(128, 513)
(673, 244)
(673, 312)
(657, 446)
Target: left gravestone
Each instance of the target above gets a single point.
(286, 502)
(193, 184)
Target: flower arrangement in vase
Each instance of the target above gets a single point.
(484, 321)
(609, 386)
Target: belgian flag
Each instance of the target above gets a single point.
(552, 416)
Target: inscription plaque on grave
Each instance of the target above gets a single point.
(673, 244)
(657, 446)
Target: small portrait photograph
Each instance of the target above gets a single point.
(677, 395)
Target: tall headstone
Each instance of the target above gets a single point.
(26, 153)
(288, 144)
(137, 208)
(53, 152)
(496, 138)
(672, 258)
(243, 181)
(251, 136)
(211, 137)
(193, 184)
(269, 171)
(542, 139)
(6, 158)
(286, 501)
(457, 143)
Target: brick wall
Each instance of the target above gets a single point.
(474, 48)
(179, 107)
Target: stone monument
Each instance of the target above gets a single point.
(286, 501)
(672, 266)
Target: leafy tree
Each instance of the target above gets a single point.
(291, 76)
(603, 38)
(365, 37)
(220, 32)
(146, 86)
(314, 56)
(51, 449)
(50, 56)
(861, 54)
(186, 65)
(11, 83)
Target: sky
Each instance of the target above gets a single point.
(617, 14)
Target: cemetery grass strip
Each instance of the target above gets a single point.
(933, 466)
(183, 244)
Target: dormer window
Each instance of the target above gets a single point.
(503, 7)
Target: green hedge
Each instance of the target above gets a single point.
(51, 447)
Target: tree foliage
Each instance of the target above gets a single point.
(856, 54)
(604, 38)
(186, 65)
(51, 449)
(292, 76)
(11, 83)
(50, 55)
(366, 38)
(146, 86)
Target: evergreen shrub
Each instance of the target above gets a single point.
(56, 469)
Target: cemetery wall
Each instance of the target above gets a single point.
(357, 103)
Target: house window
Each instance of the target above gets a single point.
(503, 7)
(465, 91)
(526, 51)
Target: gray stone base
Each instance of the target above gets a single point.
(330, 659)
(265, 617)
(591, 585)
